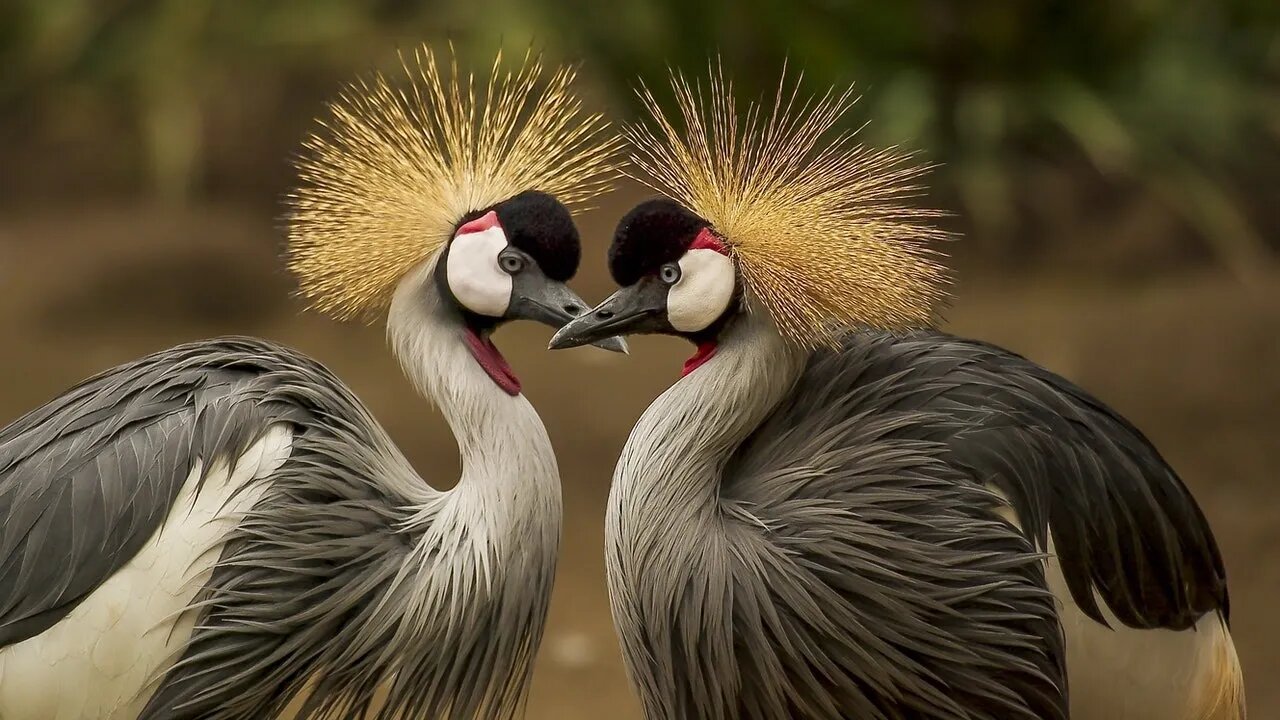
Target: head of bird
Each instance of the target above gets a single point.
(511, 262)
(773, 210)
(678, 278)
(439, 188)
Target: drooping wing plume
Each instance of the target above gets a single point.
(819, 224)
(399, 163)
(88, 478)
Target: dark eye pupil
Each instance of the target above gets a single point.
(670, 273)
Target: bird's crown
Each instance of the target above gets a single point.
(396, 166)
(818, 224)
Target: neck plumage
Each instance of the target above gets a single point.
(509, 473)
(484, 553)
(667, 531)
(673, 461)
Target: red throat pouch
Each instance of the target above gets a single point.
(705, 352)
(487, 355)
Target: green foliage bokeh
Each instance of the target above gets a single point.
(1177, 103)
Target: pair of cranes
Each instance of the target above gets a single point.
(829, 515)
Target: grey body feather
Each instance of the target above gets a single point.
(350, 573)
(1124, 525)
(86, 479)
(310, 590)
(793, 536)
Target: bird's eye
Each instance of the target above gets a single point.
(511, 263)
(670, 273)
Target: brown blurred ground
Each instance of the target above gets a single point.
(1191, 357)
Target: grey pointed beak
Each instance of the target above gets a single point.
(639, 308)
(613, 343)
(550, 302)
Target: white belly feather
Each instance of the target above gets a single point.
(104, 658)
(1124, 673)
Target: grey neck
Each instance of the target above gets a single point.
(510, 482)
(674, 458)
(473, 594)
(666, 528)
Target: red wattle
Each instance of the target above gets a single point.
(480, 224)
(705, 351)
(492, 362)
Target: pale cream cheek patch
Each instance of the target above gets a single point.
(473, 273)
(703, 291)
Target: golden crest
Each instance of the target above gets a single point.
(819, 224)
(398, 164)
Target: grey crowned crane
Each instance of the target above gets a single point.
(839, 513)
(218, 528)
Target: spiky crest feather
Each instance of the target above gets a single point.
(396, 167)
(816, 221)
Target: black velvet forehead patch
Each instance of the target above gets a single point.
(654, 233)
(540, 225)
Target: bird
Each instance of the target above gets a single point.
(220, 528)
(839, 510)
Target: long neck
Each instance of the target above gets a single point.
(666, 538)
(510, 481)
(471, 596)
(674, 458)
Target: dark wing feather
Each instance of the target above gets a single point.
(869, 478)
(87, 478)
(1122, 520)
(893, 589)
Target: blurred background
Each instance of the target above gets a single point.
(1112, 169)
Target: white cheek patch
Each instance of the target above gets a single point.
(703, 291)
(474, 275)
